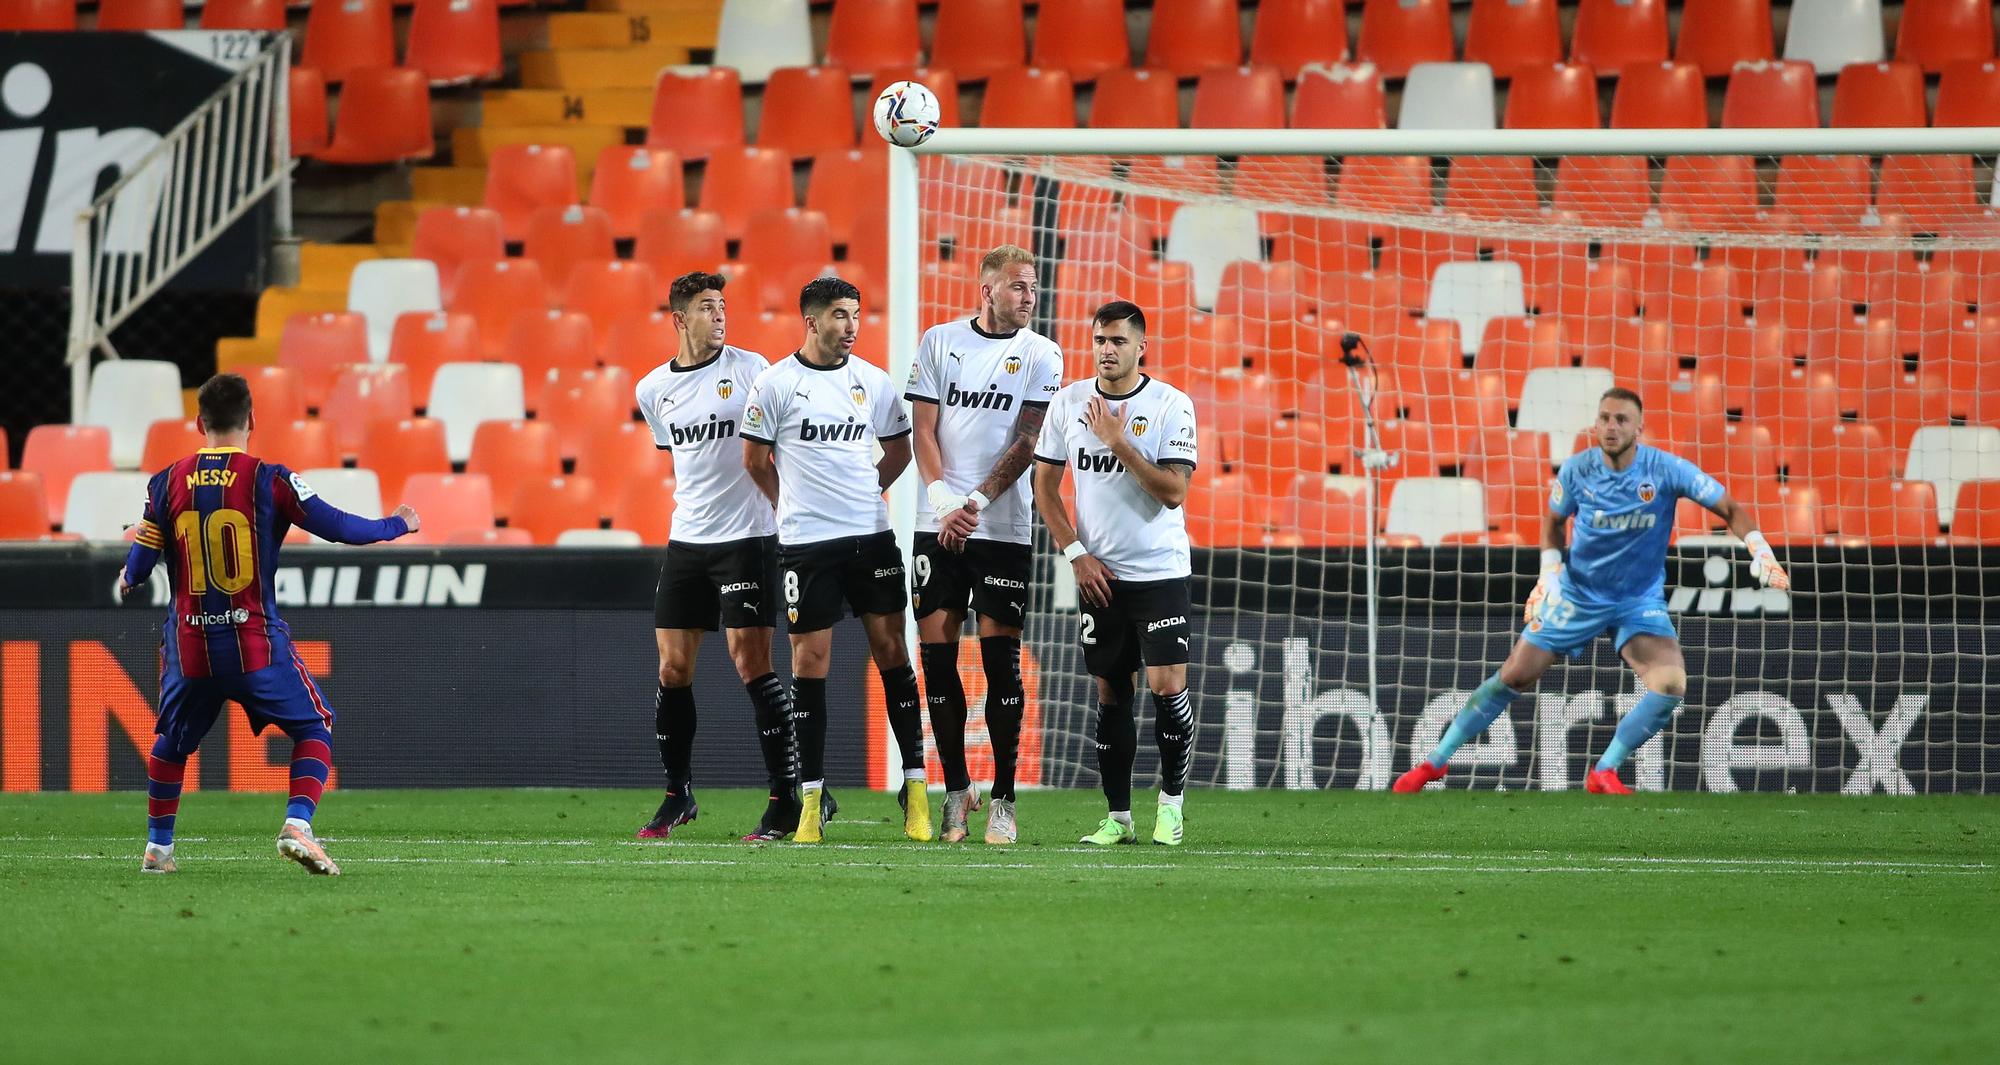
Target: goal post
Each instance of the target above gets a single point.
(1811, 316)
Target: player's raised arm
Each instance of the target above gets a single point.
(304, 508)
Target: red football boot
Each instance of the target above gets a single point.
(1605, 782)
(1419, 775)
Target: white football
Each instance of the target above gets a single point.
(906, 114)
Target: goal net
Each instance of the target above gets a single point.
(1820, 332)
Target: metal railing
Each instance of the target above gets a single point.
(176, 200)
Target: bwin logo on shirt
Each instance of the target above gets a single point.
(832, 431)
(991, 399)
(1601, 520)
(1089, 463)
(715, 428)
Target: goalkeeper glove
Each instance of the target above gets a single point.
(1548, 590)
(1764, 563)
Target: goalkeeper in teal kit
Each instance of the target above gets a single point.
(1622, 495)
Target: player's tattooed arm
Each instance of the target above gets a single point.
(1020, 452)
(757, 461)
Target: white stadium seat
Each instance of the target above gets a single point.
(1950, 455)
(101, 505)
(355, 491)
(1471, 293)
(759, 36)
(127, 396)
(1431, 508)
(381, 289)
(463, 394)
(1448, 96)
(1830, 34)
(1562, 401)
(1208, 237)
(599, 538)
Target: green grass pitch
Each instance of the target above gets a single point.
(482, 926)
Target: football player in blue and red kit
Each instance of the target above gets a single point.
(217, 517)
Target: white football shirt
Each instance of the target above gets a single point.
(980, 381)
(696, 412)
(823, 422)
(1136, 536)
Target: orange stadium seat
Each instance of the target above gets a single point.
(362, 395)
(243, 15)
(1084, 38)
(1604, 189)
(24, 506)
(58, 453)
(696, 111)
(454, 41)
(1936, 192)
(578, 401)
(169, 441)
(676, 242)
(1977, 515)
(1888, 512)
(140, 15)
(1771, 95)
(1710, 191)
(808, 110)
(1190, 36)
(1879, 94)
(1339, 97)
(1513, 35)
(1325, 513)
(1912, 402)
(1788, 513)
(1222, 512)
(1552, 96)
(1610, 34)
(1135, 98)
(1515, 347)
(631, 179)
(1659, 96)
(58, 15)
(977, 39)
(1824, 192)
(561, 237)
(521, 178)
(385, 117)
(1029, 98)
(454, 236)
(426, 340)
(452, 505)
(493, 291)
(842, 184)
(788, 247)
(1937, 33)
(741, 181)
(492, 538)
(1239, 98)
(1492, 186)
(865, 35)
(307, 99)
(771, 334)
(321, 345)
(1716, 35)
(512, 453)
(345, 36)
(1398, 34)
(300, 444)
(1738, 453)
(396, 448)
(1833, 453)
(275, 392)
(646, 506)
(1967, 352)
(608, 290)
(616, 452)
(543, 342)
(1395, 183)
(1968, 94)
(1292, 34)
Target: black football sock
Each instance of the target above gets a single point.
(1117, 748)
(1173, 731)
(673, 724)
(774, 732)
(809, 726)
(946, 695)
(906, 716)
(1001, 655)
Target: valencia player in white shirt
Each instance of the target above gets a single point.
(809, 437)
(1129, 440)
(979, 390)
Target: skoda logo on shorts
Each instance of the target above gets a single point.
(1139, 425)
(724, 387)
(1647, 491)
(860, 395)
(1013, 364)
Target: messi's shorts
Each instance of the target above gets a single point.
(992, 575)
(281, 694)
(1144, 620)
(735, 581)
(1567, 627)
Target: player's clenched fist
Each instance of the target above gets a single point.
(1549, 588)
(1764, 563)
(409, 515)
